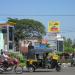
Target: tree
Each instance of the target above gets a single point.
(68, 45)
(68, 42)
(73, 45)
(27, 28)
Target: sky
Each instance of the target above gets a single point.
(43, 11)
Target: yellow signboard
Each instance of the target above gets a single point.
(53, 26)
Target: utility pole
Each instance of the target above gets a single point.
(7, 37)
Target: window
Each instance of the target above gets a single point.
(60, 46)
(11, 33)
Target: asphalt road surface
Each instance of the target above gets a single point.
(64, 71)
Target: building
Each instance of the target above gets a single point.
(7, 36)
(60, 43)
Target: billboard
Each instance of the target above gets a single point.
(53, 26)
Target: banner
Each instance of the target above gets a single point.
(44, 41)
(53, 26)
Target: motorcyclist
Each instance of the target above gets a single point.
(54, 59)
(5, 58)
(73, 59)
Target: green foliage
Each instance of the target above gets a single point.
(69, 49)
(21, 58)
(68, 45)
(19, 55)
(27, 28)
(13, 54)
(68, 42)
(73, 45)
(22, 64)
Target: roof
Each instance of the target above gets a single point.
(40, 51)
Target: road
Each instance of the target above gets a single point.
(64, 71)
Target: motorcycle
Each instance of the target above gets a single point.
(73, 62)
(53, 64)
(5, 66)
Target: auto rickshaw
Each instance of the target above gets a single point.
(38, 60)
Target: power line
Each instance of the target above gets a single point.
(57, 15)
(37, 15)
(64, 32)
(67, 31)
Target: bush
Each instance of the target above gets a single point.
(69, 49)
(19, 55)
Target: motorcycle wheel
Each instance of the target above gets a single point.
(18, 70)
(1, 69)
(58, 68)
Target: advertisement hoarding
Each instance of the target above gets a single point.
(53, 26)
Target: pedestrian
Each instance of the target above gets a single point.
(30, 47)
